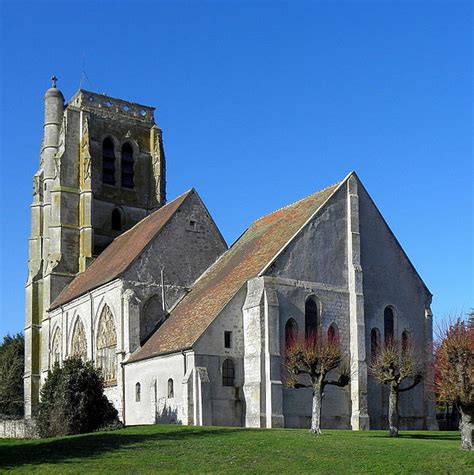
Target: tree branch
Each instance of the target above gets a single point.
(416, 380)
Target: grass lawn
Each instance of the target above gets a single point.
(172, 449)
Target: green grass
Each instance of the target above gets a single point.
(173, 449)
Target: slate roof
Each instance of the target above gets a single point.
(246, 259)
(121, 253)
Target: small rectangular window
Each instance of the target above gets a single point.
(227, 339)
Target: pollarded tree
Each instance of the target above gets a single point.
(393, 365)
(308, 363)
(454, 374)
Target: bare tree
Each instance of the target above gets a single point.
(308, 362)
(392, 365)
(454, 374)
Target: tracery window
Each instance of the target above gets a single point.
(311, 317)
(228, 372)
(127, 166)
(333, 333)
(291, 331)
(79, 341)
(107, 346)
(388, 321)
(56, 348)
(170, 389)
(108, 162)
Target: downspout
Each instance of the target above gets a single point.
(92, 326)
(184, 360)
(123, 392)
(123, 354)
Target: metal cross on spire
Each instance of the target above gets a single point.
(54, 79)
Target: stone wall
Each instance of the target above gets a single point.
(391, 280)
(88, 309)
(153, 405)
(18, 429)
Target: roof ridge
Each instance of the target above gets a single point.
(297, 201)
(119, 241)
(152, 213)
(225, 254)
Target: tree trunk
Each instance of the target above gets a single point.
(316, 415)
(393, 410)
(466, 426)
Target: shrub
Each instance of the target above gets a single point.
(73, 401)
(12, 363)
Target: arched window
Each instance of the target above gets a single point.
(116, 220)
(56, 347)
(311, 317)
(137, 392)
(107, 346)
(127, 166)
(291, 331)
(405, 340)
(228, 372)
(170, 389)
(79, 342)
(388, 324)
(152, 317)
(333, 333)
(108, 162)
(374, 342)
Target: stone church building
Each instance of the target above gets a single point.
(184, 328)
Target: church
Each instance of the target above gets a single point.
(185, 329)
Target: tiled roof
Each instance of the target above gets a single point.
(246, 259)
(121, 252)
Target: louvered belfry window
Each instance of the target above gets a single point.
(127, 166)
(108, 162)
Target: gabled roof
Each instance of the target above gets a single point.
(246, 259)
(121, 253)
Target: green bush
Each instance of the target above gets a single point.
(12, 363)
(73, 401)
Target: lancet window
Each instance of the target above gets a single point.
(108, 162)
(127, 166)
(56, 347)
(311, 317)
(388, 322)
(291, 331)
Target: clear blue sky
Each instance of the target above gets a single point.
(262, 103)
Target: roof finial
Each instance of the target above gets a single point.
(54, 79)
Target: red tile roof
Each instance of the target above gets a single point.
(246, 259)
(121, 252)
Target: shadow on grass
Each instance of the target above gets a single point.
(454, 436)
(74, 448)
(428, 435)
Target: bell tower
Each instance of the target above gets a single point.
(102, 170)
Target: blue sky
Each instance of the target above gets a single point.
(262, 103)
